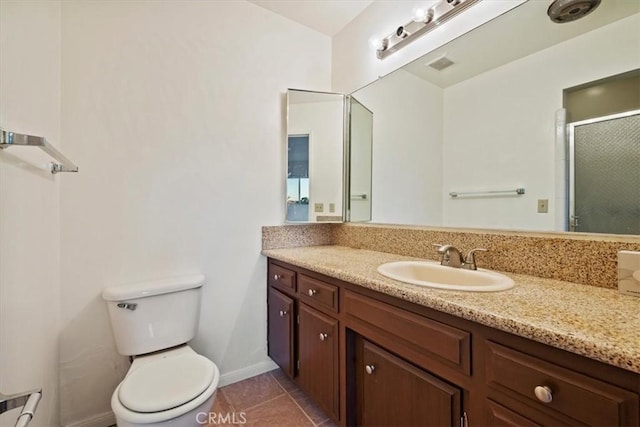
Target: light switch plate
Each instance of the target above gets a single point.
(629, 273)
(543, 205)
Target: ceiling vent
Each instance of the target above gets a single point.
(440, 63)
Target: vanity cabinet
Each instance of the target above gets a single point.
(303, 333)
(368, 358)
(281, 315)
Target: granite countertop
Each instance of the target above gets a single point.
(594, 322)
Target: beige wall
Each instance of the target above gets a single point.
(29, 206)
(176, 118)
(518, 149)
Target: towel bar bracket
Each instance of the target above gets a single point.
(63, 164)
(28, 400)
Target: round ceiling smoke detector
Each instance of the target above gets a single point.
(561, 11)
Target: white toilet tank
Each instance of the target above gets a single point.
(154, 315)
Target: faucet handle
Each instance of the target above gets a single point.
(442, 249)
(470, 259)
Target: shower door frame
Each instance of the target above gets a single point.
(572, 152)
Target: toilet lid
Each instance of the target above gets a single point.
(166, 383)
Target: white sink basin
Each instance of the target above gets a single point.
(434, 275)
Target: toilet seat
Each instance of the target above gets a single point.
(166, 383)
(127, 416)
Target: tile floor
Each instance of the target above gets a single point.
(270, 399)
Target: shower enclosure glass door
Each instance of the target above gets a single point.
(604, 174)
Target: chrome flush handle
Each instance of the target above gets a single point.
(128, 305)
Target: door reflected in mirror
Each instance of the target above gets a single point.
(314, 180)
(360, 154)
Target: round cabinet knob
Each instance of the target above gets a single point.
(276, 277)
(369, 369)
(543, 393)
(323, 337)
(311, 292)
(283, 313)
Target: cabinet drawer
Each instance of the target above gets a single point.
(585, 399)
(318, 294)
(445, 343)
(282, 278)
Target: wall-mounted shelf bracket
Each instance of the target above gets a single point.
(28, 400)
(62, 164)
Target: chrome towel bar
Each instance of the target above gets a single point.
(358, 197)
(516, 192)
(29, 400)
(8, 139)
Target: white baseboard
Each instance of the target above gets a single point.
(101, 420)
(248, 372)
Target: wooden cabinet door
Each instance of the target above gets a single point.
(318, 357)
(396, 393)
(280, 330)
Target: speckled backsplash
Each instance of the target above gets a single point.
(295, 235)
(585, 259)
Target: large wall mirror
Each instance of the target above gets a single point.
(477, 133)
(315, 136)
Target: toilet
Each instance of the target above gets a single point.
(168, 383)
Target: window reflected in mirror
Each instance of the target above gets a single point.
(298, 178)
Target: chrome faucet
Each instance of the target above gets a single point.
(452, 257)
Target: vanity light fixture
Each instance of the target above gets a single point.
(424, 20)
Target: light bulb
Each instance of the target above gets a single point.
(420, 14)
(423, 14)
(377, 43)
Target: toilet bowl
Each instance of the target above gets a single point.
(168, 383)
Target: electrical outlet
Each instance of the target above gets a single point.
(543, 205)
(318, 207)
(332, 207)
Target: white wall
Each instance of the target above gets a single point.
(179, 132)
(323, 122)
(29, 206)
(355, 64)
(407, 159)
(499, 128)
